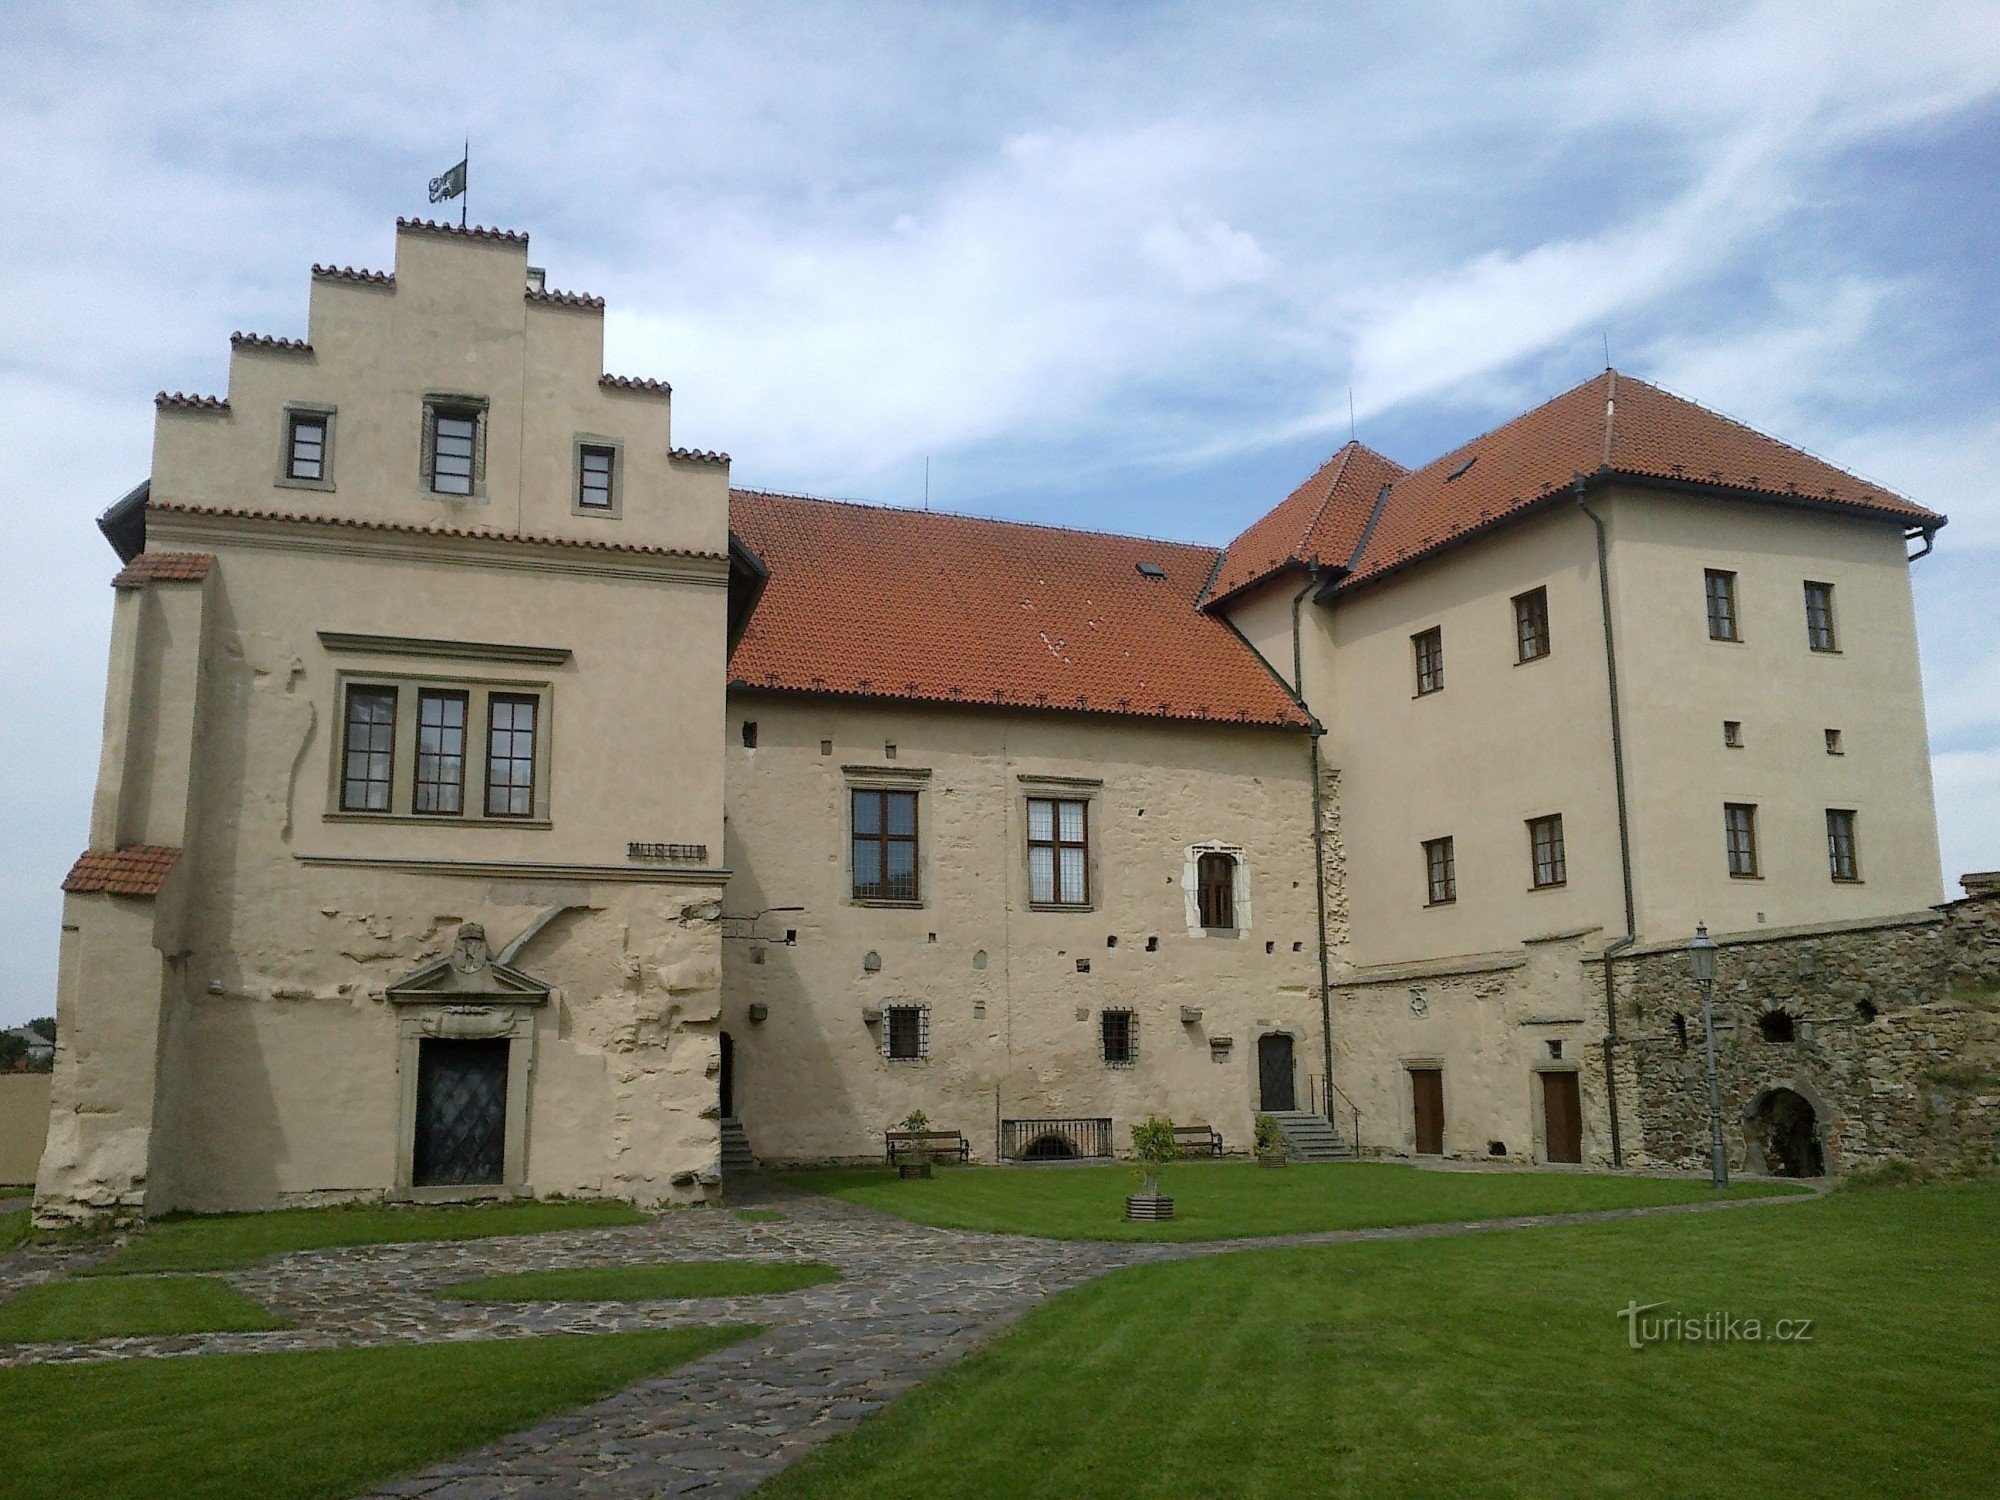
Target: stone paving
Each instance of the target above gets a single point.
(912, 1300)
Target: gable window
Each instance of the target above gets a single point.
(1842, 861)
(1429, 648)
(1819, 617)
(1531, 625)
(906, 1033)
(1739, 823)
(305, 446)
(1441, 871)
(453, 447)
(1118, 1032)
(1058, 851)
(596, 477)
(1721, 587)
(1545, 846)
(368, 749)
(440, 752)
(885, 845)
(510, 756)
(1215, 891)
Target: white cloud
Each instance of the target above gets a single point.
(1968, 793)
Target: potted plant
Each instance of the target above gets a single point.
(1271, 1148)
(913, 1158)
(1153, 1143)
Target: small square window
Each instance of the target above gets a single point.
(1441, 871)
(596, 475)
(1531, 625)
(1833, 745)
(1721, 590)
(1819, 617)
(1732, 733)
(305, 446)
(1429, 648)
(1545, 845)
(1739, 820)
(1120, 1036)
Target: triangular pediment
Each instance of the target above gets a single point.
(444, 983)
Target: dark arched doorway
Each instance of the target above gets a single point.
(1274, 1074)
(1791, 1135)
(727, 1081)
(1050, 1147)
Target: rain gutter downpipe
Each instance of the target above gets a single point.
(1317, 731)
(1581, 489)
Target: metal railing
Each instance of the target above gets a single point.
(1054, 1140)
(1320, 1094)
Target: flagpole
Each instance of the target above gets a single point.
(465, 198)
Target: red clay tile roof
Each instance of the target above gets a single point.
(581, 300)
(136, 871)
(179, 401)
(182, 508)
(1320, 523)
(908, 604)
(698, 456)
(1615, 425)
(268, 343)
(349, 273)
(163, 567)
(472, 232)
(635, 383)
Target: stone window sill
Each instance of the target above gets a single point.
(1060, 906)
(287, 482)
(889, 904)
(435, 820)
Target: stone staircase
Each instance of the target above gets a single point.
(736, 1155)
(1309, 1137)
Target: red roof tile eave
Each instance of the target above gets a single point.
(1296, 722)
(410, 528)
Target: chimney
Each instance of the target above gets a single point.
(538, 279)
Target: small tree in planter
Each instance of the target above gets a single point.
(913, 1158)
(1271, 1148)
(1153, 1143)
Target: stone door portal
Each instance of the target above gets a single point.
(1562, 1118)
(1427, 1099)
(461, 1112)
(1274, 1073)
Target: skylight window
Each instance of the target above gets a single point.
(1151, 570)
(1464, 464)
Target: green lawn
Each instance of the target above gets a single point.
(1235, 1200)
(691, 1278)
(128, 1306)
(15, 1229)
(291, 1426)
(229, 1242)
(1491, 1364)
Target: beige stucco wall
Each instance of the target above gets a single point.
(24, 1125)
(1014, 1025)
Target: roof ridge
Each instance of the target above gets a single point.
(1345, 453)
(1513, 421)
(959, 515)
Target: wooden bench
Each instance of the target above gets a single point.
(936, 1145)
(1198, 1140)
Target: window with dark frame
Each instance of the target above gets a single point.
(1531, 625)
(1732, 733)
(1833, 743)
(905, 1033)
(1119, 1035)
(510, 756)
(1842, 861)
(440, 780)
(1441, 871)
(1545, 845)
(1429, 648)
(368, 749)
(1739, 823)
(1058, 851)
(596, 466)
(1215, 891)
(1721, 589)
(885, 845)
(1819, 617)
(454, 449)
(305, 446)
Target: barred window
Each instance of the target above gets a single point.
(305, 446)
(454, 449)
(1819, 617)
(1441, 869)
(510, 756)
(1739, 825)
(1119, 1032)
(1429, 648)
(1058, 851)
(1721, 588)
(368, 749)
(1531, 624)
(595, 466)
(906, 1033)
(440, 752)
(1545, 843)
(1215, 891)
(1841, 858)
(885, 846)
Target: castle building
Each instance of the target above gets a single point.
(491, 800)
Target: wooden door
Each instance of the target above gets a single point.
(1562, 1117)
(1427, 1095)
(1274, 1074)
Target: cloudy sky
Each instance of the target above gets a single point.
(1117, 266)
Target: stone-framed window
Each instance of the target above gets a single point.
(599, 488)
(1118, 1038)
(1058, 851)
(906, 1032)
(884, 829)
(1215, 880)
(307, 460)
(407, 751)
(367, 750)
(454, 445)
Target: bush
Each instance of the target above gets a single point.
(1269, 1137)
(1154, 1144)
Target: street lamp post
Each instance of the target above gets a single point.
(1701, 953)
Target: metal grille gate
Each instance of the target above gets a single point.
(461, 1113)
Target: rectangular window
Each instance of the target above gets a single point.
(906, 1032)
(454, 449)
(1429, 646)
(594, 470)
(1120, 1038)
(1732, 733)
(1531, 624)
(1739, 822)
(368, 749)
(1833, 743)
(1058, 851)
(305, 447)
(1819, 617)
(1441, 871)
(1545, 843)
(510, 756)
(1721, 605)
(1215, 891)
(885, 846)
(1840, 853)
(440, 752)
